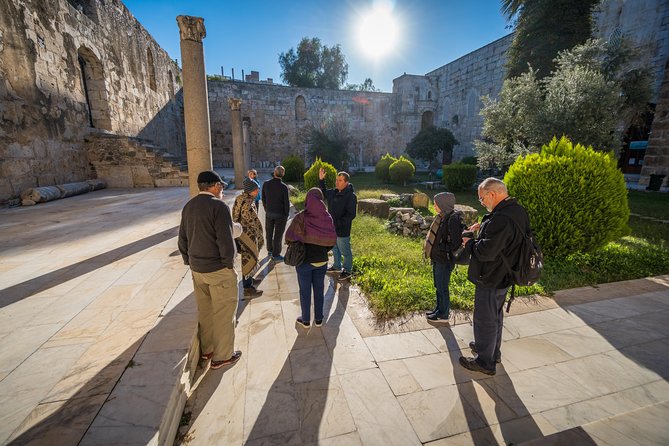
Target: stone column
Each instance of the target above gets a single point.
(237, 141)
(246, 145)
(196, 101)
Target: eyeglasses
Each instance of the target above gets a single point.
(482, 198)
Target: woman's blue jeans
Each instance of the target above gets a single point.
(441, 273)
(311, 277)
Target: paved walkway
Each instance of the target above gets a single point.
(96, 346)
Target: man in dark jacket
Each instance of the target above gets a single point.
(206, 243)
(342, 205)
(500, 236)
(277, 207)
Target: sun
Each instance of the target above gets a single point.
(377, 31)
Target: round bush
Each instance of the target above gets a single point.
(294, 166)
(469, 160)
(401, 170)
(575, 196)
(458, 177)
(311, 175)
(381, 169)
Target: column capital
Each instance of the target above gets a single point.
(234, 103)
(191, 28)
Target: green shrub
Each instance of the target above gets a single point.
(576, 197)
(401, 170)
(311, 175)
(381, 169)
(458, 177)
(472, 160)
(294, 166)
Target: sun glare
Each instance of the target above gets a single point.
(377, 31)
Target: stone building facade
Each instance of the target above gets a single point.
(72, 68)
(276, 117)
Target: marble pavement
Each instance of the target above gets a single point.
(96, 321)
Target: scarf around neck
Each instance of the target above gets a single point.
(314, 224)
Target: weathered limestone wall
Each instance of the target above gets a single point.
(461, 84)
(131, 88)
(277, 115)
(415, 99)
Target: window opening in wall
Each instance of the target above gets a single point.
(94, 89)
(455, 120)
(427, 120)
(429, 95)
(152, 70)
(300, 108)
(86, 7)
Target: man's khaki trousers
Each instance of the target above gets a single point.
(216, 294)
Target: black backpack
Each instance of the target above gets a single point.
(460, 256)
(530, 263)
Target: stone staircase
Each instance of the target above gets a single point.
(126, 161)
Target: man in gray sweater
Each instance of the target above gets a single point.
(206, 243)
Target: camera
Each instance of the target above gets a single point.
(468, 234)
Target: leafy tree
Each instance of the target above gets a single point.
(314, 65)
(368, 85)
(401, 170)
(330, 141)
(381, 168)
(543, 29)
(594, 92)
(431, 140)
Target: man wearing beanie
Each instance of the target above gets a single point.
(206, 243)
(277, 207)
(245, 212)
(444, 237)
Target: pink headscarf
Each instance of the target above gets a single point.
(314, 224)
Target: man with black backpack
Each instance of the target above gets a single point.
(499, 243)
(444, 237)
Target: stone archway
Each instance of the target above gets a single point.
(300, 108)
(95, 90)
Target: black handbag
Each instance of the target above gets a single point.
(294, 254)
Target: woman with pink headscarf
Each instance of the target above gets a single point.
(313, 227)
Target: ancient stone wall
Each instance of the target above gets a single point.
(279, 115)
(415, 99)
(69, 66)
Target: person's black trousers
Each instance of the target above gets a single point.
(488, 323)
(274, 228)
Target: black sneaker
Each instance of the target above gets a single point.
(344, 276)
(436, 318)
(471, 364)
(318, 322)
(302, 323)
(332, 269)
(472, 347)
(252, 292)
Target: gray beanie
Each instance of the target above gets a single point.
(249, 185)
(445, 201)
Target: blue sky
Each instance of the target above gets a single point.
(250, 35)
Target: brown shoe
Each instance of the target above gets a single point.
(252, 292)
(207, 356)
(234, 358)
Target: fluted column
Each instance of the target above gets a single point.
(237, 140)
(196, 101)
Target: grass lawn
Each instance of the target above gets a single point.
(393, 275)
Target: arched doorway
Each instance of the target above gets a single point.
(93, 83)
(300, 108)
(427, 120)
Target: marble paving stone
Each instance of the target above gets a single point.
(485, 402)
(140, 271)
(440, 413)
(169, 276)
(657, 321)
(61, 422)
(541, 322)
(268, 352)
(350, 439)
(297, 337)
(447, 338)
(378, 416)
(171, 332)
(625, 332)
(348, 349)
(89, 323)
(284, 438)
(652, 356)
(643, 303)
(431, 371)
(14, 316)
(23, 389)
(324, 411)
(583, 412)
(530, 352)
(310, 364)
(399, 378)
(608, 309)
(578, 342)
(115, 296)
(271, 411)
(64, 309)
(602, 433)
(22, 343)
(539, 389)
(400, 345)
